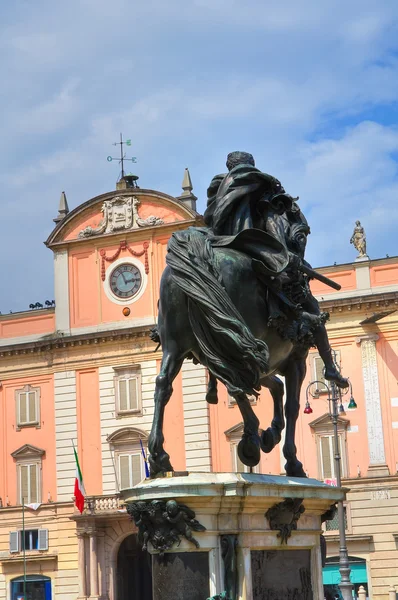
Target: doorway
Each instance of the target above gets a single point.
(134, 571)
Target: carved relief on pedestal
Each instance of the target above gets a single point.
(120, 214)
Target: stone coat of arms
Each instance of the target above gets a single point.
(119, 214)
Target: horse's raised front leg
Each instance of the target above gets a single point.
(294, 377)
(159, 460)
(272, 436)
(249, 446)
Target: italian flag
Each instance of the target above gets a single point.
(80, 492)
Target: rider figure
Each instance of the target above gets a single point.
(246, 198)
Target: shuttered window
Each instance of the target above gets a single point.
(326, 447)
(29, 483)
(130, 470)
(30, 539)
(27, 401)
(128, 390)
(128, 394)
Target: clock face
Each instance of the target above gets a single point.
(125, 281)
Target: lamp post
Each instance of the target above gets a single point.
(335, 396)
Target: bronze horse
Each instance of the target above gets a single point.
(182, 338)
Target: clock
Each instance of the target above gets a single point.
(125, 281)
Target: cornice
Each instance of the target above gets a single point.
(377, 301)
(57, 341)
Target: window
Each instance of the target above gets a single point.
(28, 483)
(125, 447)
(324, 438)
(32, 539)
(333, 524)
(27, 406)
(28, 462)
(130, 470)
(128, 391)
(327, 462)
(317, 371)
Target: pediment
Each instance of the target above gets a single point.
(325, 422)
(28, 451)
(127, 435)
(235, 431)
(119, 212)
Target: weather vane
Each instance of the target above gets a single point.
(122, 154)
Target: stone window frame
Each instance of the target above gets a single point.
(27, 389)
(232, 402)
(130, 372)
(25, 456)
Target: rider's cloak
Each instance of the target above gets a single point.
(242, 211)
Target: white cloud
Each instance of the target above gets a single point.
(310, 88)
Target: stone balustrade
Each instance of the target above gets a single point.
(102, 504)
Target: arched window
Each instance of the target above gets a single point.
(125, 444)
(37, 587)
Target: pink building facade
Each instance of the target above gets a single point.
(85, 370)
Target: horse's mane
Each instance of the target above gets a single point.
(228, 348)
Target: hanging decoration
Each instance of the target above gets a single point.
(124, 246)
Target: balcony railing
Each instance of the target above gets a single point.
(103, 504)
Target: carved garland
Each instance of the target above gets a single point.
(124, 246)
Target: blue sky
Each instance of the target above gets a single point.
(310, 88)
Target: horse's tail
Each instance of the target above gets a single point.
(228, 348)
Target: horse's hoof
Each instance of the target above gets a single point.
(249, 450)
(269, 439)
(295, 469)
(212, 397)
(159, 465)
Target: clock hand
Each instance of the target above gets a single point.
(123, 277)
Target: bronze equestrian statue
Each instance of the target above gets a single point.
(235, 297)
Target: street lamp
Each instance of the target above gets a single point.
(335, 396)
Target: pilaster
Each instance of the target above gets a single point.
(61, 290)
(377, 457)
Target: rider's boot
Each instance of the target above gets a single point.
(325, 351)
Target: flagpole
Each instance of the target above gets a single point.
(24, 548)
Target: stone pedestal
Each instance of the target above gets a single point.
(261, 542)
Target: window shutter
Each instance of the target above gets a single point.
(136, 468)
(43, 539)
(33, 484)
(319, 366)
(24, 483)
(123, 400)
(23, 413)
(14, 541)
(133, 395)
(327, 457)
(32, 417)
(124, 464)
